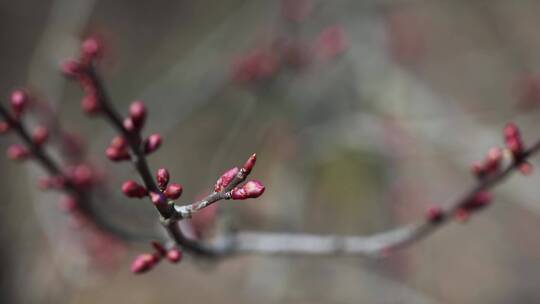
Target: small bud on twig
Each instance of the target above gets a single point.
(90, 104)
(71, 68)
(144, 262)
(225, 179)
(132, 189)
(158, 199)
(174, 255)
(90, 48)
(251, 189)
(40, 135)
(152, 143)
(17, 152)
(434, 214)
(18, 101)
(173, 191)
(162, 177)
(137, 113)
(250, 163)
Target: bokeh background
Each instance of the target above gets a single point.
(365, 113)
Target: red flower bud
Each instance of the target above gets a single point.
(82, 176)
(71, 68)
(19, 101)
(434, 214)
(40, 135)
(174, 255)
(144, 262)
(132, 189)
(116, 154)
(526, 168)
(91, 48)
(251, 189)
(173, 191)
(90, 104)
(118, 142)
(137, 113)
(17, 152)
(68, 204)
(158, 199)
(4, 127)
(511, 130)
(250, 163)
(225, 179)
(152, 143)
(162, 177)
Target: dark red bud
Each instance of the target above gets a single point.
(137, 113)
(90, 104)
(118, 142)
(19, 101)
(91, 48)
(225, 179)
(40, 135)
(71, 68)
(17, 152)
(162, 177)
(4, 127)
(116, 154)
(434, 214)
(250, 163)
(132, 189)
(173, 191)
(174, 255)
(511, 130)
(152, 143)
(251, 189)
(159, 248)
(142, 263)
(82, 176)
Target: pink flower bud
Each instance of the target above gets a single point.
(158, 199)
(19, 101)
(162, 177)
(137, 113)
(174, 255)
(4, 127)
(250, 163)
(118, 142)
(91, 48)
(251, 189)
(128, 124)
(434, 214)
(82, 176)
(144, 262)
(68, 204)
(152, 143)
(132, 189)
(71, 68)
(17, 152)
(511, 130)
(116, 154)
(173, 191)
(225, 179)
(525, 168)
(40, 135)
(90, 104)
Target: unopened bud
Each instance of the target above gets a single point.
(90, 104)
(132, 189)
(162, 177)
(251, 189)
(144, 262)
(174, 255)
(173, 191)
(137, 113)
(40, 135)
(18, 101)
(17, 152)
(250, 163)
(225, 179)
(152, 143)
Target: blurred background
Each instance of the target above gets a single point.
(362, 113)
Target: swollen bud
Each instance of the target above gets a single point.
(162, 177)
(91, 48)
(116, 154)
(250, 163)
(173, 191)
(225, 179)
(152, 143)
(18, 101)
(174, 255)
(4, 127)
(251, 189)
(144, 262)
(137, 113)
(434, 214)
(17, 152)
(71, 68)
(90, 104)
(40, 135)
(132, 189)
(158, 199)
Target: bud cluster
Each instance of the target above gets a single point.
(146, 261)
(251, 189)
